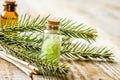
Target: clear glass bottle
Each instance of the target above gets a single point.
(9, 14)
(50, 52)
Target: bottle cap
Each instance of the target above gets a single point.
(12, 2)
(53, 22)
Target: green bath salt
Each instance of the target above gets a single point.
(51, 49)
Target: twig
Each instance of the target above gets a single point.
(20, 62)
(25, 64)
(25, 70)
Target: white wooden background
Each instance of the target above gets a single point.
(104, 15)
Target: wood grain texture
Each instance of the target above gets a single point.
(88, 71)
(41, 77)
(11, 72)
(82, 70)
(104, 14)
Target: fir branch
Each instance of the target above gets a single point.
(28, 53)
(17, 42)
(25, 23)
(68, 27)
(29, 56)
(81, 51)
(24, 42)
(72, 51)
(28, 40)
(72, 29)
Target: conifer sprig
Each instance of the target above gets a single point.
(76, 51)
(25, 23)
(68, 27)
(31, 56)
(25, 40)
(82, 51)
(72, 29)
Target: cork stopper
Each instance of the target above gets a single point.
(53, 24)
(10, 5)
(11, 2)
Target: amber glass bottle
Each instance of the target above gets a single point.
(9, 14)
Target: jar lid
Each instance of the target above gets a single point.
(12, 2)
(53, 22)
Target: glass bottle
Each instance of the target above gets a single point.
(50, 52)
(9, 14)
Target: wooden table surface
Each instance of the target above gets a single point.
(103, 14)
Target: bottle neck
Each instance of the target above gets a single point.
(47, 31)
(10, 7)
(52, 27)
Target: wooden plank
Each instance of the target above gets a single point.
(101, 14)
(105, 15)
(87, 71)
(111, 69)
(94, 72)
(41, 77)
(11, 72)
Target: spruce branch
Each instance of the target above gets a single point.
(24, 41)
(82, 51)
(25, 23)
(29, 56)
(72, 29)
(68, 27)
(17, 42)
(29, 40)
(73, 51)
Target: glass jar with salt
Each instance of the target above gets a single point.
(50, 52)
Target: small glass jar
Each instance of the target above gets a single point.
(50, 52)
